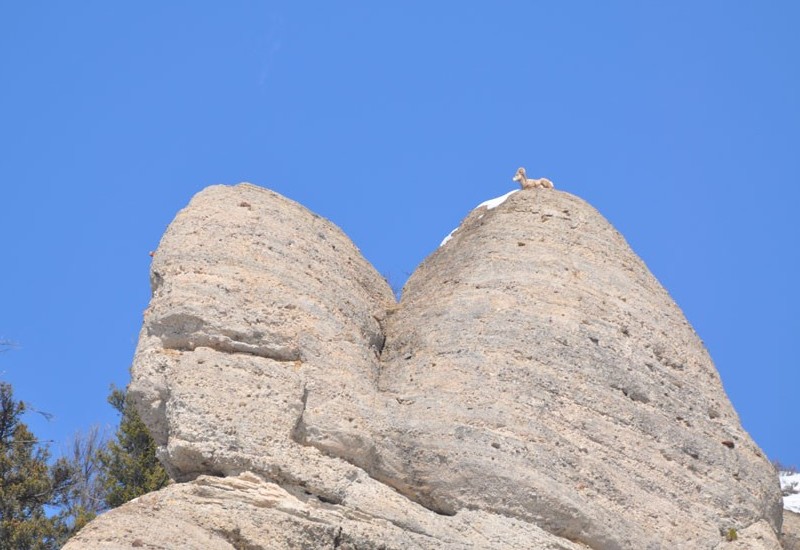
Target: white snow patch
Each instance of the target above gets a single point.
(790, 486)
(792, 503)
(449, 236)
(494, 203)
(491, 203)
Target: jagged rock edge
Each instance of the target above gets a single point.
(228, 342)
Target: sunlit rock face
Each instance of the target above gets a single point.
(535, 388)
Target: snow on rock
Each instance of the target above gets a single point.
(491, 203)
(449, 236)
(790, 486)
(495, 202)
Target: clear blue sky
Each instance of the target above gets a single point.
(679, 121)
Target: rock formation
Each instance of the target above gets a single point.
(535, 388)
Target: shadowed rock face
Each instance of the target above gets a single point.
(535, 388)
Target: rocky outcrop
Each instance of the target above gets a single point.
(246, 512)
(535, 388)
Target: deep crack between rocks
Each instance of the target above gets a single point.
(299, 430)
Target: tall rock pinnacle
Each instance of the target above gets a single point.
(536, 387)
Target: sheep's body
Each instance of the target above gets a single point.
(528, 183)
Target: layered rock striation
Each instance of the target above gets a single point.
(536, 387)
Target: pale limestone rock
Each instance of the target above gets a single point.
(246, 512)
(535, 388)
(569, 389)
(790, 536)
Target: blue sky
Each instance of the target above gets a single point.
(679, 121)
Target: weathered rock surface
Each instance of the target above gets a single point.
(791, 530)
(585, 402)
(535, 388)
(246, 512)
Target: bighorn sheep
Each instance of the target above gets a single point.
(528, 183)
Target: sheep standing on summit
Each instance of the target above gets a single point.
(528, 183)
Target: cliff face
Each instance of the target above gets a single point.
(535, 388)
